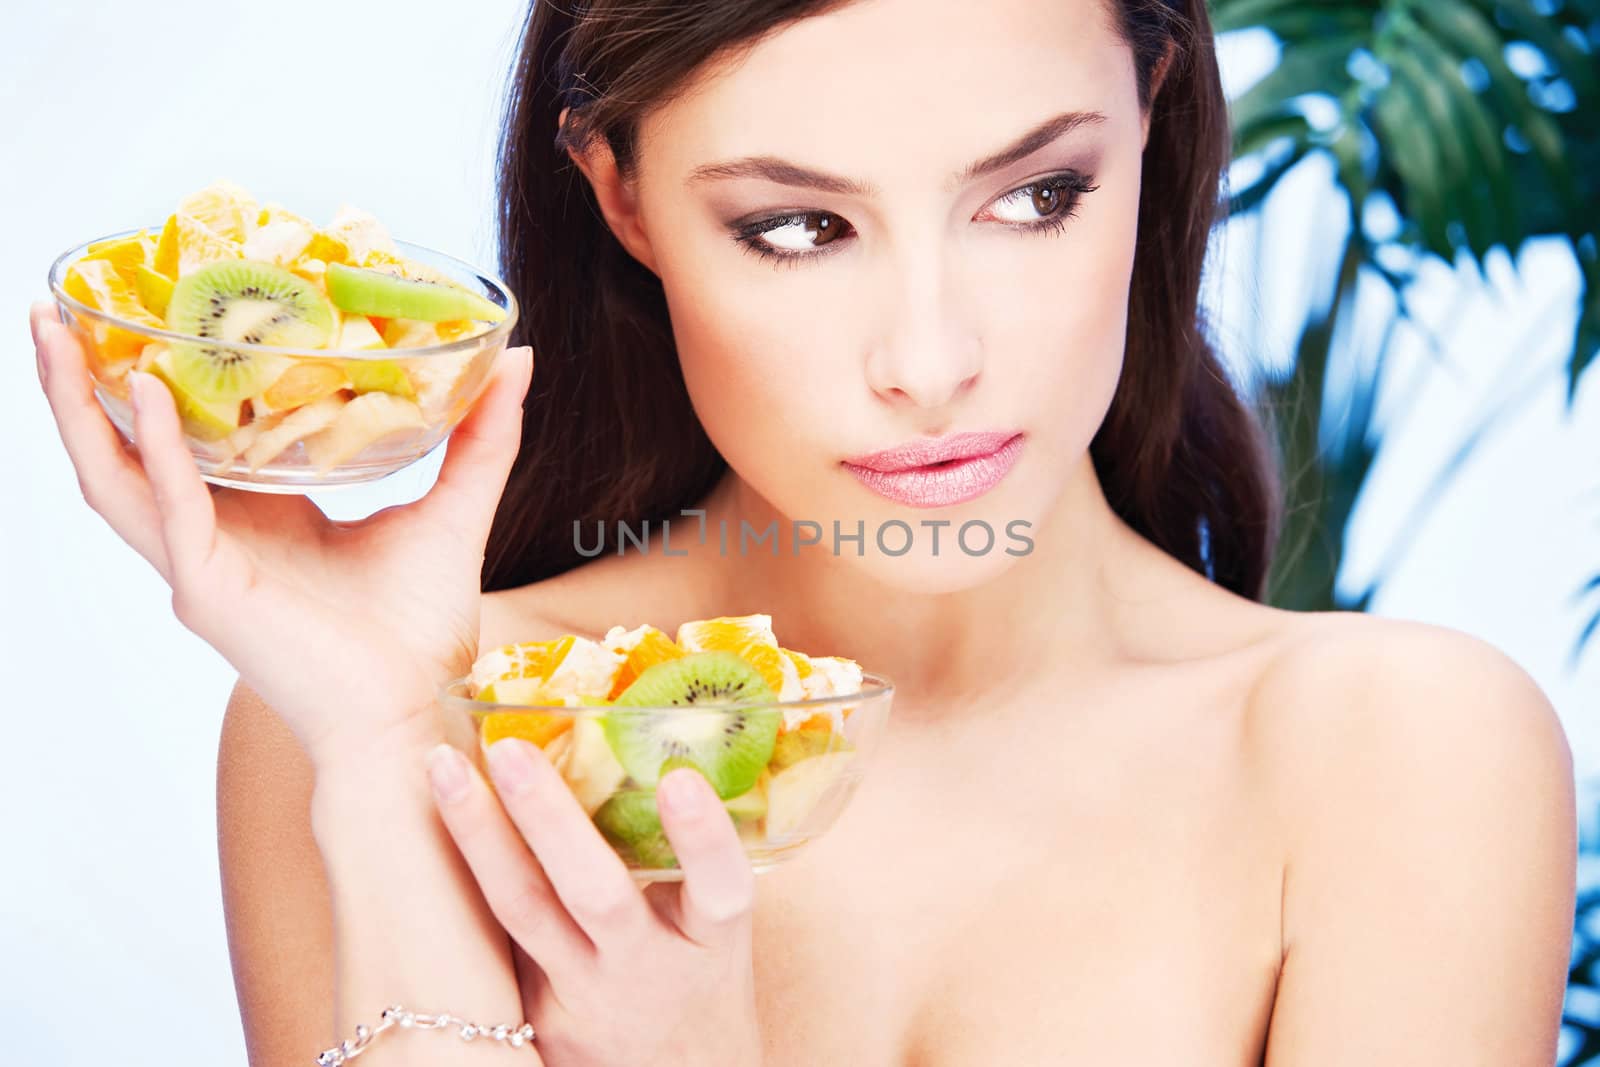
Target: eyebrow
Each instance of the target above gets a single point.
(783, 172)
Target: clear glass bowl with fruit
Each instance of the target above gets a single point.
(614, 716)
(299, 356)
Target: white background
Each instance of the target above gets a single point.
(111, 930)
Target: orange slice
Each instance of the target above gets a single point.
(306, 381)
(749, 637)
(644, 647)
(97, 284)
(186, 243)
(530, 726)
(126, 255)
(224, 208)
(524, 659)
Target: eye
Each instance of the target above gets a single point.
(791, 236)
(1050, 198)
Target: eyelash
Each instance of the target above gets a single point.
(1076, 185)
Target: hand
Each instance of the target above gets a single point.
(345, 629)
(621, 977)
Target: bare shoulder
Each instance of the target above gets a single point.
(1423, 787)
(1351, 685)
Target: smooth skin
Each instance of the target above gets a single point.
(1121, 815)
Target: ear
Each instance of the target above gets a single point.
(1157, 78)
(617, 198)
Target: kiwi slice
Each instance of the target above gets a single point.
(374, 292)
(730, 748)
(631, 821)
(248, 302)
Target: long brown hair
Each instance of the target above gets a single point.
(609, 433)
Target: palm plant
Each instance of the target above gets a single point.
(1478, 123)
(1471, 126)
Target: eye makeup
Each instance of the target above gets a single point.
(1067, 188)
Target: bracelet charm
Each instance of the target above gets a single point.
(396, 1015)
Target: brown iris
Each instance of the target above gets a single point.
(1046, 200)
(824, 229)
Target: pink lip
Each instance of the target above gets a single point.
(941, 471)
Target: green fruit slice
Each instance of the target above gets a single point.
(206, 420)
(632, 824)
(154, 290)
(379, 376)
(240, 301)
(372, 292)
(730, 748)
(631, 821)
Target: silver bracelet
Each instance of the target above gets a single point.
(395, 1015)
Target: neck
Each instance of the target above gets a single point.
(1071, 603)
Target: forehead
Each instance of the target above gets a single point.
(877, 86)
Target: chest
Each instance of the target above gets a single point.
(1040, 906)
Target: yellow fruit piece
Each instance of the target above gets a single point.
(224, 208)
(326, 247)
(652, 647)
(201, 419)
(801, 661)
(361, 233)
(198, 244)
(165, 260)
(393, 263)
(304, 382)
(530, 726)
(271, 213)
(749, 637)
(154, 289)
(529, 659)
(97, 284)
(126, 255)
(456, 329)
(411, 333)
(356, 334)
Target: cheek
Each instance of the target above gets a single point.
(761, 351)
(1056, 312)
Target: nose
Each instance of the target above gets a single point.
(928, 350)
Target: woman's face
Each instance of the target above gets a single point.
(939, 240)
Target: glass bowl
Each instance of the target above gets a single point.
(424, 391)
(806, 759)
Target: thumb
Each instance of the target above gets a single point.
(480, 451)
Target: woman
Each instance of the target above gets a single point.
(1126, 812)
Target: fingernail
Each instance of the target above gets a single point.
(678, 792)
(38, 357)
(135, 387)
(447, 773)
(510, 764)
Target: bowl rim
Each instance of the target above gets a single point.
(496, 333)
(875, 687)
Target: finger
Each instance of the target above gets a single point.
(41, 311)
(718, 889)
(516, 889)
(112, 480)
(588, 875)
(188, 516)
(482, 448)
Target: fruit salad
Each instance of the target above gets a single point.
(776, 732)
(282, 341)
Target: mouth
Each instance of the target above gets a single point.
(939, 473)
